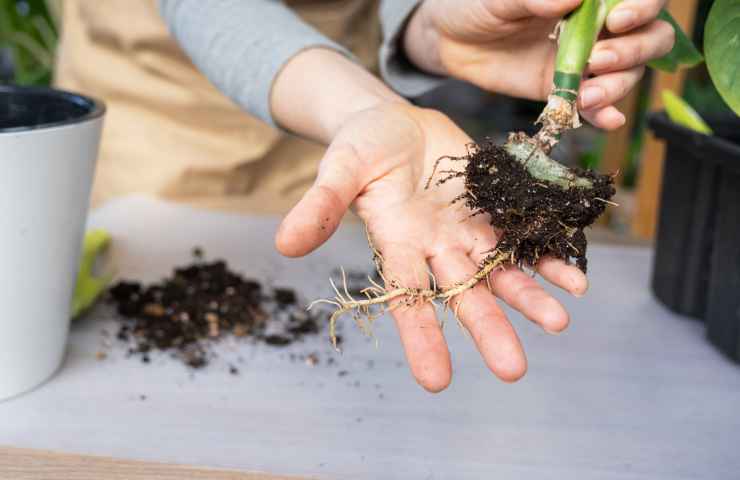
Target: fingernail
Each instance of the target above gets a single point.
(552, 332)
(602, 59)
(621, 19)
(591, 96)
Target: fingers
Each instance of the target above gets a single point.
(525, 295)
(568, 277)
(598, 94)
(608, 89)
(518, 9)
(494, 336)
(522, 293)
(607, 118)
(631, 14)
(619, 62)
(628, 51)
(550, 8)
(318, 214)
(420, 332)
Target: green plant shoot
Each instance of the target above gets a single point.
(683, 114)
(89, 287)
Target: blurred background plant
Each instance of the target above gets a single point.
(28, 40)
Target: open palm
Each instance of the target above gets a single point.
(380, 162)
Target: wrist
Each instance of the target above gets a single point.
(319, 89)
(420, 41)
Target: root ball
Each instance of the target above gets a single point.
(536, 218)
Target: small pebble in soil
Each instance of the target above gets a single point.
(312, 359)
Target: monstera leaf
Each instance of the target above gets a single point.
(722, 49)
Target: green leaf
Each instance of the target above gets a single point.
(684, 51)
(722, 48)
(681, 113)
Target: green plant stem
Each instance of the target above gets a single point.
(542, 167)
(578, 34)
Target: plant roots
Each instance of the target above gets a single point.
(380, 300)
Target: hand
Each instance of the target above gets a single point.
(379, 160)
(503, 46)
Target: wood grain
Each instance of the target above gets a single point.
(617, 146)
(17, 464)
(651, 167)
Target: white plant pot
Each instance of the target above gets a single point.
(48, 148)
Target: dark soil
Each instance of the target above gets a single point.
(535, 219)
(203, 303)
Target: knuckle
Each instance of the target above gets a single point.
(625, 84)
(524, 293)
(637, 53)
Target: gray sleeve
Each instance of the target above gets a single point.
(397, 70)
(241, 46)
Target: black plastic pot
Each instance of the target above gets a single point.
(697, 254)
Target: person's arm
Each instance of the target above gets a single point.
(319, 90)
(242, 45)
(381, 153)
(398, 71)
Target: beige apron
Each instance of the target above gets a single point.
(168, 130)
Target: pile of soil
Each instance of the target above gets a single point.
(536, 219)
(202, 303)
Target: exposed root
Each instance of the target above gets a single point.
(558, 116)
(381, 300)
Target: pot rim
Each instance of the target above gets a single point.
(712, 149)
(95, 108)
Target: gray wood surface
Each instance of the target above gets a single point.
(629, 392)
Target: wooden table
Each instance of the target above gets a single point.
(629, 392)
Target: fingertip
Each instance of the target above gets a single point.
(553, 8)
(427, 355)
(607, 118)
(434, 380)
(579, 286)
(621, 19)
(311, 222)
(568, 277)
(555, 318)
(575, 282)
(512, 371)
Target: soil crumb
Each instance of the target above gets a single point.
(535, 219)
(200, 305)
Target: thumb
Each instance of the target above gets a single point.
(519, 9)
(317, 215)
